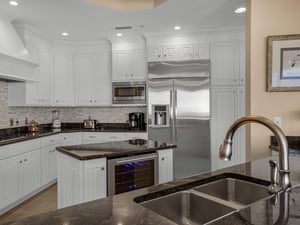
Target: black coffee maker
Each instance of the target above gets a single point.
(137, 121)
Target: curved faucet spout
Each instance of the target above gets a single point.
(226, 149)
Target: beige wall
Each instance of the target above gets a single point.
(265, 18)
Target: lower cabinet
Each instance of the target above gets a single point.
(48, 158)
(80, 180)
(165, 166)
(19, 176)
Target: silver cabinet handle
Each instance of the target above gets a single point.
(92, 136)
(25, 160)
(21, 161)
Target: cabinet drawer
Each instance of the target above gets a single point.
(10, 150)
(71, 139)
(137, 136)
(50, 140)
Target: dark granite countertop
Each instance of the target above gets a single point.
(113, 149)
(121, 209)
(18, 137)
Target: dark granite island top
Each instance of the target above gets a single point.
(113, 149)
(121, 209)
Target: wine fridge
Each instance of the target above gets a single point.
(131, 173)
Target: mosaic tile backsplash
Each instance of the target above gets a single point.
(70, 114)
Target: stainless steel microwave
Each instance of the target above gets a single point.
(129, 93)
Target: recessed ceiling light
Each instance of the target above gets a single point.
(177, 28)
(64, 34)
(240, 10)
(119, 34)
(13, 3)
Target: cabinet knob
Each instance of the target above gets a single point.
(163, 159)
(91, 100)
(95, 101)
(165, 55)
(102, 168)
(65, 138)
(158, 55)
(21, 161)
(242, 79)
(56, 100)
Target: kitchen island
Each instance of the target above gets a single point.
(122, 209)
(92, 171)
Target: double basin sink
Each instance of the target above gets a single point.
(213, 199)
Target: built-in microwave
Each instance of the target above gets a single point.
(129, 92)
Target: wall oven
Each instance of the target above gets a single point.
(129, 92)
(131, 173)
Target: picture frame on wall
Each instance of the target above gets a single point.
(283, 63)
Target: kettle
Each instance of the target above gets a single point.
(33, 126)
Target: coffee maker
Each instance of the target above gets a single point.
(137, 121)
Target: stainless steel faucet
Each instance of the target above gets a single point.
(284, 172)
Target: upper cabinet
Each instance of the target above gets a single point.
(129, 65)
(63, 70)
(40, 92)
(226, 66)
(178, 52)
(93, 75)
(129, 60)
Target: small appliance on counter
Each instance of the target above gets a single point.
(33, 127)
(56, 123)
(137, 121)
(89, 123)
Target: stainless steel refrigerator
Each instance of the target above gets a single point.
(179, 112)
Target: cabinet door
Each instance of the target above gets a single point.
(170, 52)
(185, 52)
(225, 63)
(138, 65)
(224, 111)
(155, 53)
(84, 79)
(30, 179)
(48, 164)
(165, 166)
(95, 179)
(102, 80)
(63, 79)
(201, 51)
(45, 78)
(9, 181)
(71, 139)
(121, 65)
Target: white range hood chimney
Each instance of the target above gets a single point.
(15, 61)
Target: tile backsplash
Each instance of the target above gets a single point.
(67, 114)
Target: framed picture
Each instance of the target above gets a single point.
(283, 69)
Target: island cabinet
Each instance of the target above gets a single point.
(80, 180)
(165, 166)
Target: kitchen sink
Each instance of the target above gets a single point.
(236, 191)
(187, 207)
(206, 200)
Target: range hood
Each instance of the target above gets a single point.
(15, 61)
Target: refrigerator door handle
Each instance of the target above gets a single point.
(171, 115)
(175, 115)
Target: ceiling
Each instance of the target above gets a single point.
(87, 21)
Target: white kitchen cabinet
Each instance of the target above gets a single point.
(71, 139)
(63, 77)
(80, 180)
(40, 92)
(93, 79)
(102, 137)
(19, 171)
(48, 158)
(162, 53)
(129, 65)
(225, 63)
(137, 135)
(188, 51)
(165, 165)
(201, 51)
(227, 105)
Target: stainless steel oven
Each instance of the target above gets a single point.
(131, 173)
(129, 92)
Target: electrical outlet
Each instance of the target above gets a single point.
(277, 121)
